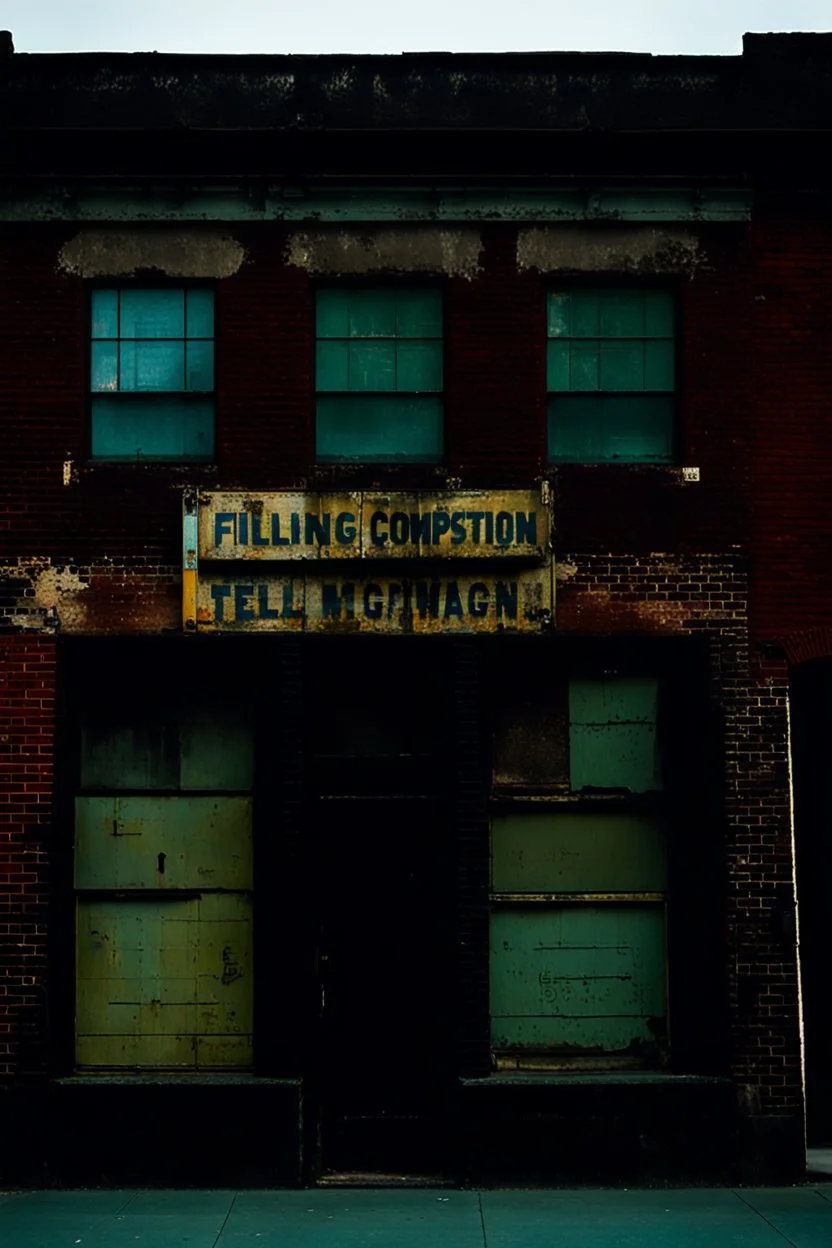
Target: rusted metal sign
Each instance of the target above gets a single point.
(512, 602)
(413, 537)
(500, 523)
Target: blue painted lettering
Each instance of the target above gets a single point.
(243, 595)
(525, 527)
(219, 593)
(242, 528)
(373, 601)
(458, 534)
(399, 528)
(330, 601)
(441, 524)
(294, 528)
(489, 528)
(225, 525)
(378, 537)
(427, 599)
(318, 528)
(420, 528)
(453, 602)
(505, 528)
(505, 597)
(476, 524)
(290, 611)
(345, 528)
(278, 538)
(478, 600)
(257, 538)
(263, 609)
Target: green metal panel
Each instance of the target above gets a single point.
(379, 428)
(613, 734)
(183, 749)
(164, 982)
(611, 428)
(582, 978)
(204, 842)
(577, 852)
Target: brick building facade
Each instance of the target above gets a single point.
(686, 566)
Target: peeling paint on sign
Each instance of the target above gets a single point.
(513, 601)
(473, 525)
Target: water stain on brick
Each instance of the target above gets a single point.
(608, 249)
(193, 253)
(407, 249)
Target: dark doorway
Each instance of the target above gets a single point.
(377, 729)
(811, 700)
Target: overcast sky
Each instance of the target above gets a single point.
(668, 26)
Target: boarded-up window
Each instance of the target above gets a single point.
(163, 879)
(579, 886)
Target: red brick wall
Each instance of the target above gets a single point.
(27, 725)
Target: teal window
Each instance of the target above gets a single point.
(610, 366)
(579, 880)
(378, 376)
(152, 374)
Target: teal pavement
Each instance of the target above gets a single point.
(418, 1218)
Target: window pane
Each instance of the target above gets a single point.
(584, 365)
(419, 366)
(658, 314)
(199, 358)
(164, 427)
(531, 726)
(379, 428)
(419, 314)
(621, 314)
(560, 315)
(658, 366)
(582, 978)
(152, 366)
(585, 314)
(104, 366)
(138, 756)
(332, 314)
(596, 429)
(199, 314)
(152, 314)
(622, 366)
(372, 365)
(612, 735)
(332, 365)
(558, 355)
(372, 314)
(104, 313)
(549, 852)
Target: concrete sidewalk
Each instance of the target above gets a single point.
(385, 1218)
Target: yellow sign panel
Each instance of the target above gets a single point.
(518, 600)
(364, 525)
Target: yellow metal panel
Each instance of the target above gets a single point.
(515, 600)
(471, 525)
(154, 976)
(163, 842)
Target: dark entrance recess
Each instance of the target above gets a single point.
(377, 732)
(811, 692)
